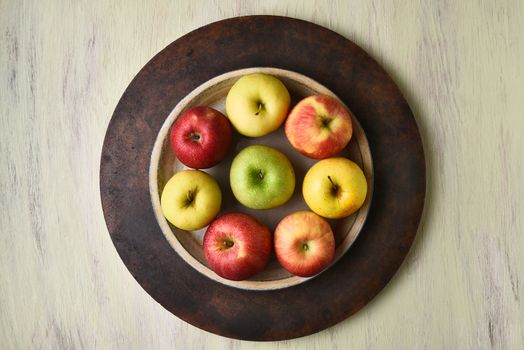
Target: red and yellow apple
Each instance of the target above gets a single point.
(201, 137)
(237, 246)
(257, 104)
(334, 188)
(304, 243)
(319, 126)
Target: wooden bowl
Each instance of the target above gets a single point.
(164, 164)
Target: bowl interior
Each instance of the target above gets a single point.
(164, 164)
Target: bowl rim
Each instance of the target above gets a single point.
(156, 153)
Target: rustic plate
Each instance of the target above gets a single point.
(398, 177)
(164, 165)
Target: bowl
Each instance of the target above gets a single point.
(188, 244)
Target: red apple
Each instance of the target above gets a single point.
(237, 246)
(304, 243)
(319, 126)
(201, 137)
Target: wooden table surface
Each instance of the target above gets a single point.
(63, 67)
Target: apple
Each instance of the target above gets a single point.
(191, 199)
(334, 188)
(319, 126)
(257, 104)
(304, 243)
(201, 137)
(237, 246)
(261, 177)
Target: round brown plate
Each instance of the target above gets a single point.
(398, 162)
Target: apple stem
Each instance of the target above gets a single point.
(260, 105)
(334, 188)
(190, 196)
(260, 174)
(305, 246)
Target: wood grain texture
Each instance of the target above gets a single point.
(63, 67)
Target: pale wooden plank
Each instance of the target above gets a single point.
(63, 67)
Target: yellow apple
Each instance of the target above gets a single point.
(257, 104)
(335, 188)
(191, 199)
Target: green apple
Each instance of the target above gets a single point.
(335, 188)
(257, 104)
(262, 177)
(191, 199)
